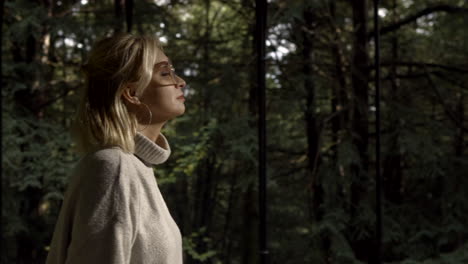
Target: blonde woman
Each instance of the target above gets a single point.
(113, 211)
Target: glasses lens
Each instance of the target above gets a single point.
(165, 75)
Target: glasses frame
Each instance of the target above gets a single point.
(172, 73)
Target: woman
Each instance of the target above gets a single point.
(113, 211)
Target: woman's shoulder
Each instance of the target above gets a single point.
(105, 155)
(103, 162)
(103, 169)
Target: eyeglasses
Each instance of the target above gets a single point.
(165, 74)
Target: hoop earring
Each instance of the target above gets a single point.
(150, 119)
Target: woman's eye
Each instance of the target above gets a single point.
(165, 73)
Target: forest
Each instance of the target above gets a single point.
(320, 117)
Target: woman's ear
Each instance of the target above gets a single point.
(129, 95)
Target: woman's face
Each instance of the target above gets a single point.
(162, 95)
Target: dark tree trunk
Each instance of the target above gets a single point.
(310, 115)
(360, 79)
(359, 125)
(250, 245)
(203, 205)
(459, 142)
(339, 94)
(316, 193)
(119, 7)
(459, 148)
(129, 14)
(392, 170)
(227, 240)
(206, 58)
(2, 244)
(250, 226)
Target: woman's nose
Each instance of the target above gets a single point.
(180, 83)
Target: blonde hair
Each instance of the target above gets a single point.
(114, 62)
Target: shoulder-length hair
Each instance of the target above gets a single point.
(102, 119)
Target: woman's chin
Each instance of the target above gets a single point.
(180, 111)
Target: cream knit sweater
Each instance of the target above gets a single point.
(113, 211)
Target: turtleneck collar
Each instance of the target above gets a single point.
(149, 151)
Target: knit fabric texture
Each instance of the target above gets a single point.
(113, 211)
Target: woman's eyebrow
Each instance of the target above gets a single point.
(163, 63)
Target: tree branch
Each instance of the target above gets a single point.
(447, 109)
(451, 81)
(413, 17)
(52, 100)
(458, 68)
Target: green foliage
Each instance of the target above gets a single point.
(190, 246)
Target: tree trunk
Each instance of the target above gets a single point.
(129, 14)
(227, 240)
(310, 115)
(459, 142)
(119, 7)
(392, 171)
(250, 230)
(2, 244)
(250, 238)
(359, 125)
(316, 193)
(339, 99)
(339, 95)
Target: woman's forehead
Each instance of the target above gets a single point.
(160, 57)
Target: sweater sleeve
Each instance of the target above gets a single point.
(105, 212)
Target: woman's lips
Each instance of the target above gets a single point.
(181, 97)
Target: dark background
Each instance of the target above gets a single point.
(320, 125)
